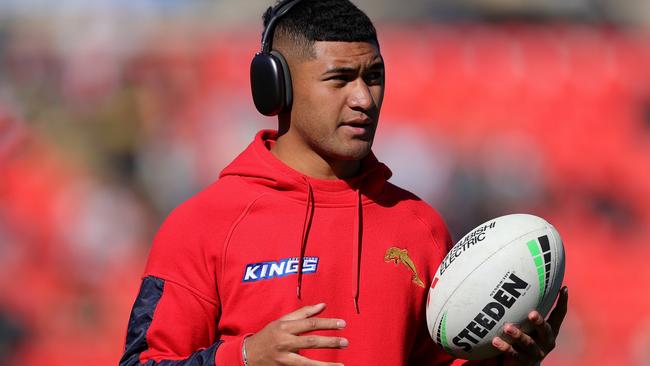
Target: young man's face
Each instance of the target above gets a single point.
(337, 98)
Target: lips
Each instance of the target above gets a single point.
(358, 122)
(358, 128)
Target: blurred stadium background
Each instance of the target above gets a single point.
(114, 111)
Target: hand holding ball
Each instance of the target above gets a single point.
(496, 274)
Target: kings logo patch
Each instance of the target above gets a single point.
(274, 269)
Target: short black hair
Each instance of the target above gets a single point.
(310, 21)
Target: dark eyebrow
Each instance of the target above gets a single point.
(378, 65)
(340, 70)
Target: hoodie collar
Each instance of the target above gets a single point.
(259, 166)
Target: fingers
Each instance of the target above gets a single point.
(281, 340)
(510, 352)
(307, 325)
(304, 312)
(558, 313)
(535, 345)
(302, 321)
(503, 346)
(524, 345)
(314, 341)
(547, 331)
(545, 336)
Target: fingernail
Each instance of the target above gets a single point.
(509, 329)
(497, 342)
(344, 342)
(535, 317)
(340, 323)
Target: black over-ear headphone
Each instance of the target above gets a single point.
(270, 77)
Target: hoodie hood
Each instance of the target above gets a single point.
(258, 166)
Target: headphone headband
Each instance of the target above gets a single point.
(277, 13)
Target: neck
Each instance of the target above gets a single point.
(310, 163)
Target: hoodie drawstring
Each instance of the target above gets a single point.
(309, 214)
(356, 249)
(356, 242)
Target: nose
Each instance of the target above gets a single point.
(360, 97)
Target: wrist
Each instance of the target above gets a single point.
(229, 352)
(244, 356)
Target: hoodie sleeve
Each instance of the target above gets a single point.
(174, 318)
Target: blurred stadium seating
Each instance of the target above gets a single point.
(99, 140)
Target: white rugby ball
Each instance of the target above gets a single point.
(497, 273)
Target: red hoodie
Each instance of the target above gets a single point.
(226, 263)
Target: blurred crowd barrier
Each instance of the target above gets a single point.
(98, 142)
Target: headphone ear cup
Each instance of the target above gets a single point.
(270, 83)
(288, 85)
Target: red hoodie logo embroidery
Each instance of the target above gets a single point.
(397, 256)
(287, 266)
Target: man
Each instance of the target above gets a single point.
(286, 259)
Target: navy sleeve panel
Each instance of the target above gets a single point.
(141, 317)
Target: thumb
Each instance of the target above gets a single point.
(557, 315)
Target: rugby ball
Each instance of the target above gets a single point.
(495, 274)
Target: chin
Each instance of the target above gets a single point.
(356, 152)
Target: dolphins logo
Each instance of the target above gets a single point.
(398, 255)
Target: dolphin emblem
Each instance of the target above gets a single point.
(398, 255)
